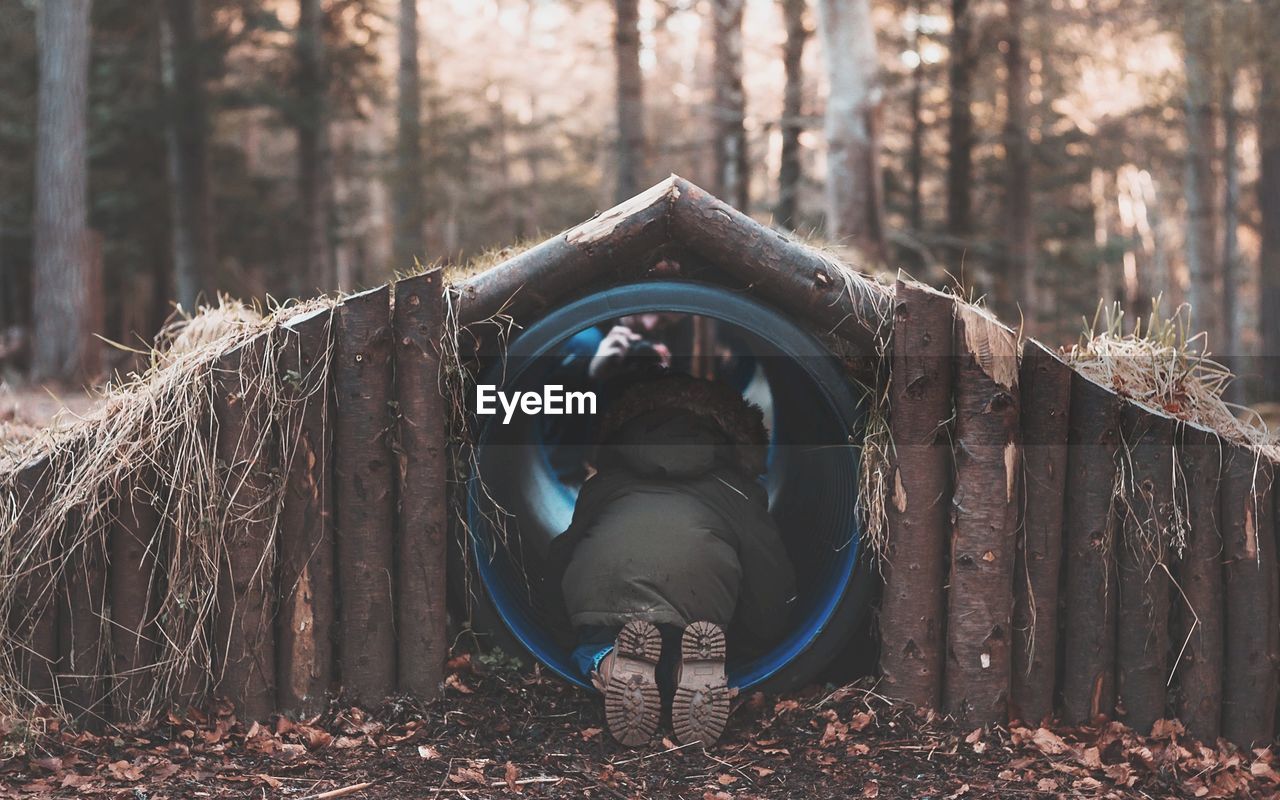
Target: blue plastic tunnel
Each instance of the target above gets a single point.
(816, 418)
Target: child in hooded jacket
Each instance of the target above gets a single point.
(671, 542)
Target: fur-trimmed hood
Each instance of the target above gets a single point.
(716, 406)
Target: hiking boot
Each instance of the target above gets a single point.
(632, 705)
(700, 708)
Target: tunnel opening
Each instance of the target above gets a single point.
(530, 466)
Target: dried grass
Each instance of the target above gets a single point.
(154, 429)
(1163, 365)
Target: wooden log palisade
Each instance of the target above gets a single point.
(1054, 549)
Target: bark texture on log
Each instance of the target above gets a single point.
(611, 245)
(1149, 526)
(795, 277)
(984, 517)
(615, 244)
(1090, 594)
(133, 579)
(1249, 673)
(1045, 384)
(1199, 675)
(422, 524)
(305, 623)
(914, 606)
(244, 635)
(34, 616)
(82, 631)
(363, 490)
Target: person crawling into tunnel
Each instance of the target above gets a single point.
(671, 547)
(600, 358)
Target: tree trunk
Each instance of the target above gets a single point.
(729, 104)
(855, 192)
(1199, 696)
(423, 521)
(789, 170)
(410, 208)
(62, 345)
(914, 606)
(245, 637)
(1149, 519)
(1205, 291)
(364, 494)
(307, 585)
(134, 580)
(315, 157)
(1269, 198)
(1089, 597)
(1019, 274)
(960, 124)
(1231, 348)
(1249, 673)
(186, 138)
(1045, 382)
(984, 519)
(915, 157)
(630, 99)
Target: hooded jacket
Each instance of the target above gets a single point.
(673, 527)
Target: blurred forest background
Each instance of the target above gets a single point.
(1043, 153)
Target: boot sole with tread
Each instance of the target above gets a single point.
(632, 705)
(700, 708)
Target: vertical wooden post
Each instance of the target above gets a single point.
(82, 621)
(365, 510)
(984, 519)
(422, 524)
(1090, 594)
(1045, 382)
(1199, 675)
(914, 605)
(34, 616)
(133, 576)
(244, 632)
(1249, 674)
(305, 659)
(1149, 516)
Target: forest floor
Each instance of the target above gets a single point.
(504, 733)
(25, 407)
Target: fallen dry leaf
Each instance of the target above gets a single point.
(124, 772)
(1049, 743)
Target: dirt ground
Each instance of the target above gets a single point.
(499, 732)
(26, 407)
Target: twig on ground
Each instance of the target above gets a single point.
(343, 792)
